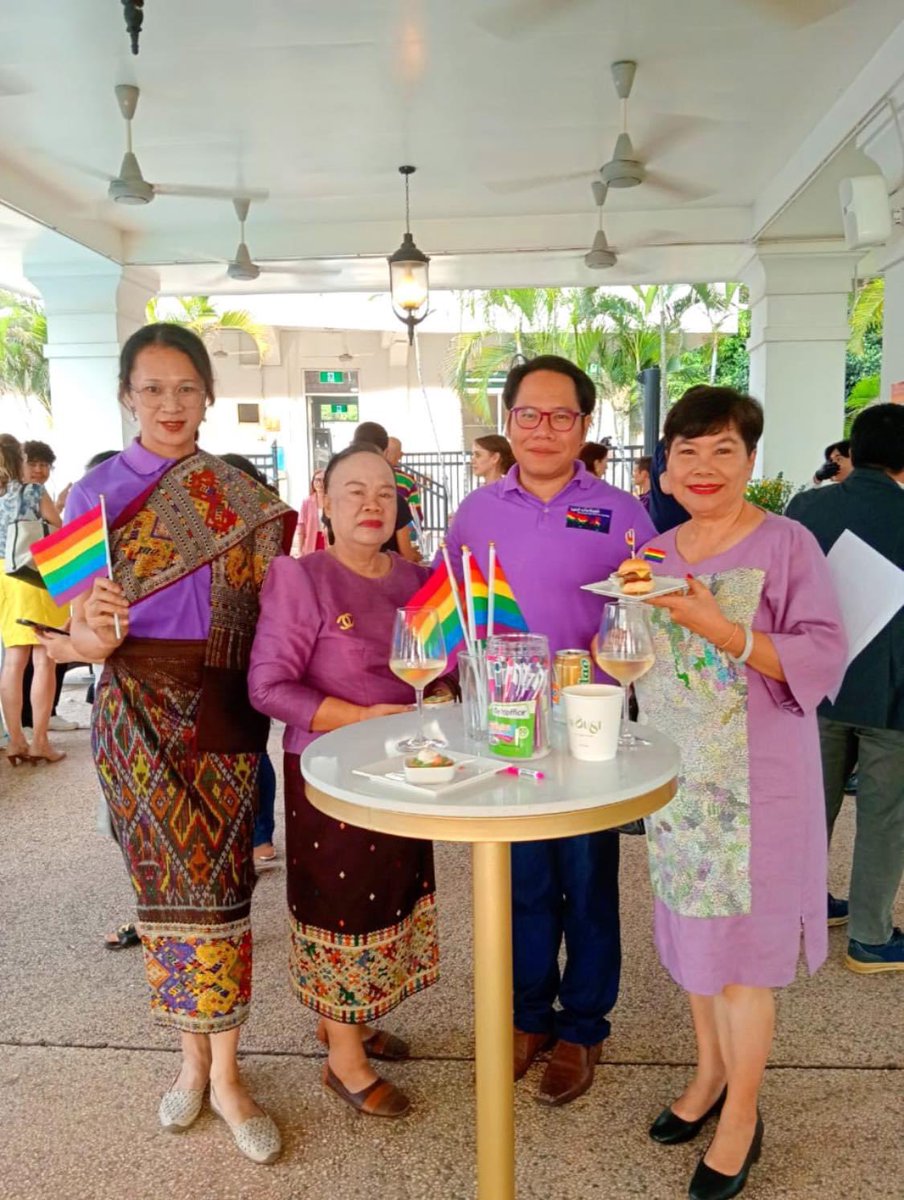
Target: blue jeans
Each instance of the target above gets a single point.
(266, 800)
(566, 888)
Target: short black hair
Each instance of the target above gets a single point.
(176, 337)
(341, 456)
(38, 452)
(877, 438)
(370, 431)
(592, 452)
(704, 410)
(843, 448)
(241, 463)
(585, 388)
(100, 457)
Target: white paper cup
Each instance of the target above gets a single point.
(593, 716)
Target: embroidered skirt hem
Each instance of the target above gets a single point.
(359, 978)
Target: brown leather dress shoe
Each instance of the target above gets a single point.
(527, 1047)
(569, 1073)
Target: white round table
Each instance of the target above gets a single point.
(573, 798)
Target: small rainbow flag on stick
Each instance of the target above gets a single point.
(71, 558)
(441, 592)
(504, 613)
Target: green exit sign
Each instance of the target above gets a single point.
(338, 412)
(332, 377)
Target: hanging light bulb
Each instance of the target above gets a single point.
(409, 283)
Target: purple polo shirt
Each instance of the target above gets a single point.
(548, 549)
(179, 611)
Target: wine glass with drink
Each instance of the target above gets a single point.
(418, 656)
(624, 650)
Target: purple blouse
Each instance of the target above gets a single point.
(325, 631)
(179, 611)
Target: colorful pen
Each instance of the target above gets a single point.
(523, 772)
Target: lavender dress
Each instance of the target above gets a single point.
(738, 857)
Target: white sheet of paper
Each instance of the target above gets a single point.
(870, 591)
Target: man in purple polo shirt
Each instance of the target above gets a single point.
(556, 526)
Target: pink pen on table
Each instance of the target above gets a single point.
(523, 773)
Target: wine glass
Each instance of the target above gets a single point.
(624, 650)
(418, 656)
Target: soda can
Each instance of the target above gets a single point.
(570, 667)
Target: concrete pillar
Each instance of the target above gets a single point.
(798, 335)
(881, 139)
(92, 307)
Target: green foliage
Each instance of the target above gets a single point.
(867, 313)
(865, 362)
(611, 337)
(771, 494)
(24, 370)
(864, 393)
(198, 314)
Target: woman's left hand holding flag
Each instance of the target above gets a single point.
(100, 610)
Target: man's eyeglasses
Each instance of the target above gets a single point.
(561, 420)
(152, 395)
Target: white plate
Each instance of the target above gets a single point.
(471, 768)
(664, 584)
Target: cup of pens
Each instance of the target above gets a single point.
(518, 696)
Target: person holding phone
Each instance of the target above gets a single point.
(19, 600)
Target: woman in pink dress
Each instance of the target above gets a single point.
(309, 532)
(738, 857)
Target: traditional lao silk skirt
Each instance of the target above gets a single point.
(184, 819)
(362, 912)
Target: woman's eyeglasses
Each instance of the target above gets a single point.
(561, 420)
(152, 394)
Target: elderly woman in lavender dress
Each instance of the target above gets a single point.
(738, 858)
(362, 911)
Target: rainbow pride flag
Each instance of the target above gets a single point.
(507, 615)
(71, 558)
(437, 593)
(481, 595)
(654, 554)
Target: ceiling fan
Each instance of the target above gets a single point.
(130, 185)
(629, 167)
(244, 269)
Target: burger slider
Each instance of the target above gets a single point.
(635, 577)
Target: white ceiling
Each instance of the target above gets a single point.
(320, 102)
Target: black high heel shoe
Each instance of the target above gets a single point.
(708, 1184)
(671, 1130)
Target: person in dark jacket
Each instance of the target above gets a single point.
(865, 722)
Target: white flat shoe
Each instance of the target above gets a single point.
(179, 1108)
(257, 1138)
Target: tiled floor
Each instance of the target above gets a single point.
(82, 1068)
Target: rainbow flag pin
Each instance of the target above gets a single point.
(654, 554)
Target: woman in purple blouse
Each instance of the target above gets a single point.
(738, 857)
(361, 904)
(176, 743)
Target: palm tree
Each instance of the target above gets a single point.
(198, 314)
(867, 312)
(23, 335)
(719, 303)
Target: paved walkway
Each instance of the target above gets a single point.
(82, 1068)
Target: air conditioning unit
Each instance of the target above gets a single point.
(865, 211)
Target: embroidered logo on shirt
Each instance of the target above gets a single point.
(345, 621)
(597, 520)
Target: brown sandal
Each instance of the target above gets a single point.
(380, 1099)
(380, 1044)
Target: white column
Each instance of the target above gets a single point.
(91, 310)
(798, 335)
(881, 140)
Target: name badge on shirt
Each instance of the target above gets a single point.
(596, 520)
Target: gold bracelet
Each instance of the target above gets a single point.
(736, 628)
